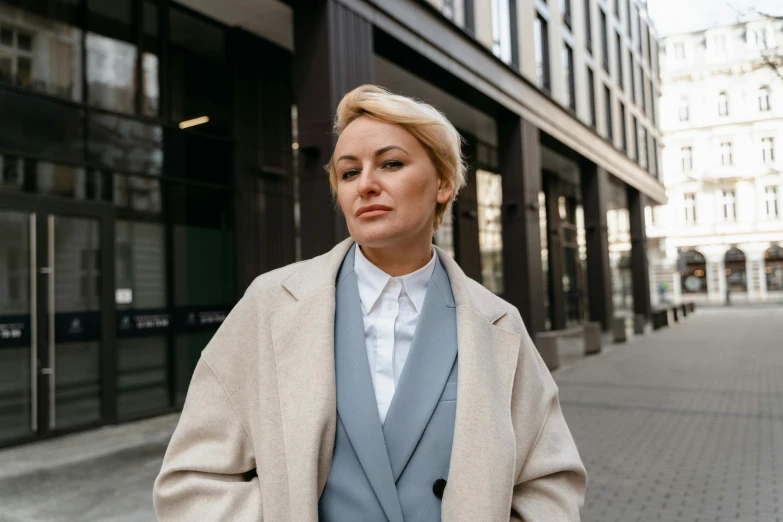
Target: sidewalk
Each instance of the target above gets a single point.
(684, 424)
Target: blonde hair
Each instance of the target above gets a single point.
(428, 125)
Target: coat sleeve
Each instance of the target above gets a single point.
(208, 472)
(551, 484)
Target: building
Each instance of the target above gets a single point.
(155, 156)
(722, 118)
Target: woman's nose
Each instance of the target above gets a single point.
(368, 183)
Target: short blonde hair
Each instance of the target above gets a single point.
(428, 125)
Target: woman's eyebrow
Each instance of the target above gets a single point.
(346, 157)
(388, 148)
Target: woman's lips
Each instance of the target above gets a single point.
(369, 211)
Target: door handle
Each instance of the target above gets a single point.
(46, 371)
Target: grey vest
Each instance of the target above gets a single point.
(393, 472)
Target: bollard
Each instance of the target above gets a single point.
(592, 338)
(639, 324)
(546, 343)
(618, 330)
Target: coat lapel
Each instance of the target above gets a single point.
(356, 403)
(425, 373)
(303, 340)
(480, 470)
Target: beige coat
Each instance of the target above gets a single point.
(263, 398)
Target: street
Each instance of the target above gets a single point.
(683, 424)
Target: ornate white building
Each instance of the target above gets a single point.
(722, 119)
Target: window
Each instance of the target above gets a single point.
(686, 158)
(642, 146)
(645, 94)
(631, 75)
(654, 158)
(764, 99)
(604, 41)
(729, 205)
(640, 101)
(654, 59)
(608, 108)
(490, 202)
(588, 28)
(617, 8)
(623, 136)
(771, 201)
(653, 98)
(501, 30)
(541, 36)
(635, 130)
(565, 9)
(619, 48)
(723, 104)
(16, 58)
(690, 208)
(568, 67)
(591, 94)
(719, 44)
(639, 26)
(679, 50)
(767, 150)
(725, 154)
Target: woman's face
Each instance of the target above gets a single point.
(387, 186)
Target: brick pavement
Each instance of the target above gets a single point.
(685, 424)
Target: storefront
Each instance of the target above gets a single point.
(119, 168)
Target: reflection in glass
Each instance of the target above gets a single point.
(150, 84)
(140, 264)
(542, 230)
(111, 66)
(126, 145)
(203, 266)
(41, 54)
(736, 270)
(39, 127)
(188, 349)
(77, 287)
(490, 199)
(20, 174)
(138, 193)
(15, 390)
(618, 223)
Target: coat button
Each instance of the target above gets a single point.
(437, 488)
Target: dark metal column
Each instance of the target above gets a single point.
(263, 176)
(595, 188)
(520, 166)
(466, 232)
(555, 251)
(334, 54)
(639, 267)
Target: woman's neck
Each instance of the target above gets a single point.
(399, 261)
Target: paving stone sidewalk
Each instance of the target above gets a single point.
(684, 424)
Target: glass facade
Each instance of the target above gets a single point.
(98, 100)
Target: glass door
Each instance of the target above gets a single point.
(18, 381)
(55, 309)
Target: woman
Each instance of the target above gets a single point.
(375, 382)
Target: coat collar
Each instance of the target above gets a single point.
(321, 272)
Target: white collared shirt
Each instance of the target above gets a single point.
(390, 308)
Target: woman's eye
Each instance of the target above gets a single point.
(350, 173)
(392, 164)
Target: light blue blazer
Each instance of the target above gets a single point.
(396, 471)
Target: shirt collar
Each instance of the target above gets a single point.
(372, 281)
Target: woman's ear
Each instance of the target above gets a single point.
(445, 191)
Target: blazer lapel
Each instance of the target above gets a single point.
(425, 373)
(356, 403)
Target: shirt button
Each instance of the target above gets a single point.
(394, 284)
(390, 306)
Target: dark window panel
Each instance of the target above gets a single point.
(200, 158)
(124, 144)
(41, 128)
